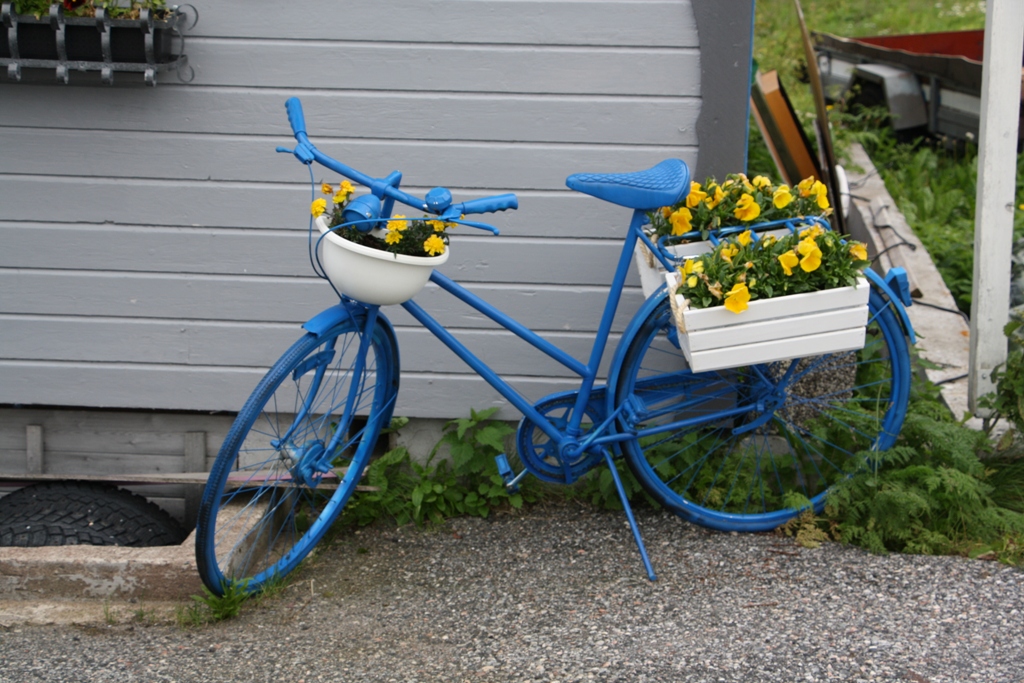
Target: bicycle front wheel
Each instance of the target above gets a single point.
(294, 455)
(745, 449)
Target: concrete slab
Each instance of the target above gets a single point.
(943, 335)
(166, 573)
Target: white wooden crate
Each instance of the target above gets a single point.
(793, 326)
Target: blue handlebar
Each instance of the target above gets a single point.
(386, 188)
(498, 202)
(295, 117)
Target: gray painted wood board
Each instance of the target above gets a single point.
(166, 342)
(556, 119)
(474, 257)
(190, 388)
(466, 21)
(237, 298)
(251, 159)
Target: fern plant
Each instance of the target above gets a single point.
(928, 495)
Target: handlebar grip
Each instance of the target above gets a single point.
(294, 108)
(499, 202)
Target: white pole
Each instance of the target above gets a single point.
(993, 218)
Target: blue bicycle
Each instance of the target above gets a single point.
(727, 449)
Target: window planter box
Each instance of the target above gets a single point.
(144, 46)
(794, 326)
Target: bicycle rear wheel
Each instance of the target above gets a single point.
(266, 504)
(745, 449)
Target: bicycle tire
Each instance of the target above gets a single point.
(122, 517)
(263, 525)
(28, 534)
(835, 407)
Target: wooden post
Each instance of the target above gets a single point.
(33, 449)
(993, 218)
(195, 461)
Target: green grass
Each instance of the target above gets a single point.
(933, 186)
(777, 42)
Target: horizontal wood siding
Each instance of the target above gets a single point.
(153, 247)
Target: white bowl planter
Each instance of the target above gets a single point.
(371, 275)
(794, 326)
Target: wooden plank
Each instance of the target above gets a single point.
(213, 389)
(489, 22)
(289, 300)
(102, 462)
(194, 462)
(215, 344)
(206, 158)
(993, 217)
(189, 478)
(329, 113)
(388, 66)
(191, 204)
(474, 257)
(34, 449)
(791, 150)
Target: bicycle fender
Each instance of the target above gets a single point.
(894, 301)
(335, 315)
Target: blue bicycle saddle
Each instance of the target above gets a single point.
(663, 185)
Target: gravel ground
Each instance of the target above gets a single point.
(558, 594)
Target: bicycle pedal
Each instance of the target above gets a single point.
(507, 475)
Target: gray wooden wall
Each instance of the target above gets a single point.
(153, 245)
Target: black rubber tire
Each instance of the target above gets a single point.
(33, 535)
(102, 513)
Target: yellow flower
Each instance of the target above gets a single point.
(745, 237)
(737, 298)
(666, 211)
(767, 241)
(782, 197)
(746, 208)
(344, 192)
(680, 221)
(728, 251)
(746, 183)
(811, 255)
(397, 224)
(821, 192)
(717, 195)
(437, 225)
(788, 261)
(327, 189)
(434, 245)
(858, 251)
(394, 237)
(318, 207)
(806, 245)
(696, 196)
(1021, 207)
(805, 186)
(812, 232)
(691, 281)
(762, 183)
(693, 266)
